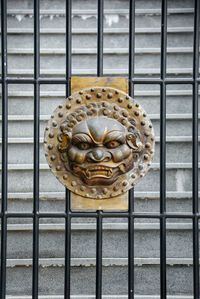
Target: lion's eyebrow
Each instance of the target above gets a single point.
(81, 137)
(114, 135)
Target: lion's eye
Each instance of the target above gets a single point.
(113, 144)
(83, 145)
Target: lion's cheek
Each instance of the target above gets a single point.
(121, 153)
(75, 155)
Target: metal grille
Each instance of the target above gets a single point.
(131, 215)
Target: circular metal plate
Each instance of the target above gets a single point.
(99, 143)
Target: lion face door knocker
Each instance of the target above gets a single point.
(99, 143)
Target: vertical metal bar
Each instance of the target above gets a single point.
(67, 287)
(131, 45)
(4, 147)
(195, 207)
(131, 192)
(163, 268)
(100, 12)
(99, 256)
(36, 161)
(100, 18)
(131, 246)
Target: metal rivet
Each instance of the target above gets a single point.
(147, 145)
(92, 89)
(117, 92)
(136, 113)
(136, 105)
(115, 115)
(88, 96)
(93, 190)
(82, 188)
(46, 128)
(140, 167)
(125, 183)
(142, 123)
(80, 92)
(54, 123)
(79, 117)
(99, 95)
(78, 101)
(144, 114)
(52, 116)
(60, 106)
(65, 176)
(125, 113)
(46, 155)
(103, 89)
(105, 112)
(146, 157)
(58, 167)
(53, 157)
(73, 183)
(124, 121)
(150, 126)
(51, 135)
(130, 106)
(50, 146)
(116, 188)
(133, 176)
(68, 105)
(70, 98)
(127, 97)
(120, 100)
(116, 108)
(152, 139)
(110, 95)
(105, 104)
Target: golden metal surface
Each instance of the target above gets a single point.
(78, 83)
(99, 143)
(118, 203)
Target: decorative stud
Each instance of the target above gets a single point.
(50, 146)
(88, 96)
(78, 101)
(51, 135)
(65, 176)
(110, 95)
(54, 123)
(120, 100)
(68, 105)
(99, 95)
(53, 158)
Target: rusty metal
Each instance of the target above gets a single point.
(99, 143)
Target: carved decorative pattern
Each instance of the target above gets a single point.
(99, 143)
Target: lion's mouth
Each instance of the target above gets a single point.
(98, 171)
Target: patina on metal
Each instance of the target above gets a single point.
(99, 143)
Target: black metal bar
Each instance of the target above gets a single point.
(99, 255)
(100, 27)
(131, 76)
(100, 12)
(131, 70)
(163, 268)
(131, 246)
(67, 284)
(195, 206)
(4, 179)
(36, 162)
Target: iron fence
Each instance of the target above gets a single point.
(37, 80)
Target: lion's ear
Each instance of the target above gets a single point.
(64, 141)
(134, 142)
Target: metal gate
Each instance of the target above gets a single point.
(131, 215)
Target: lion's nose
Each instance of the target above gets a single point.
(98, 155)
